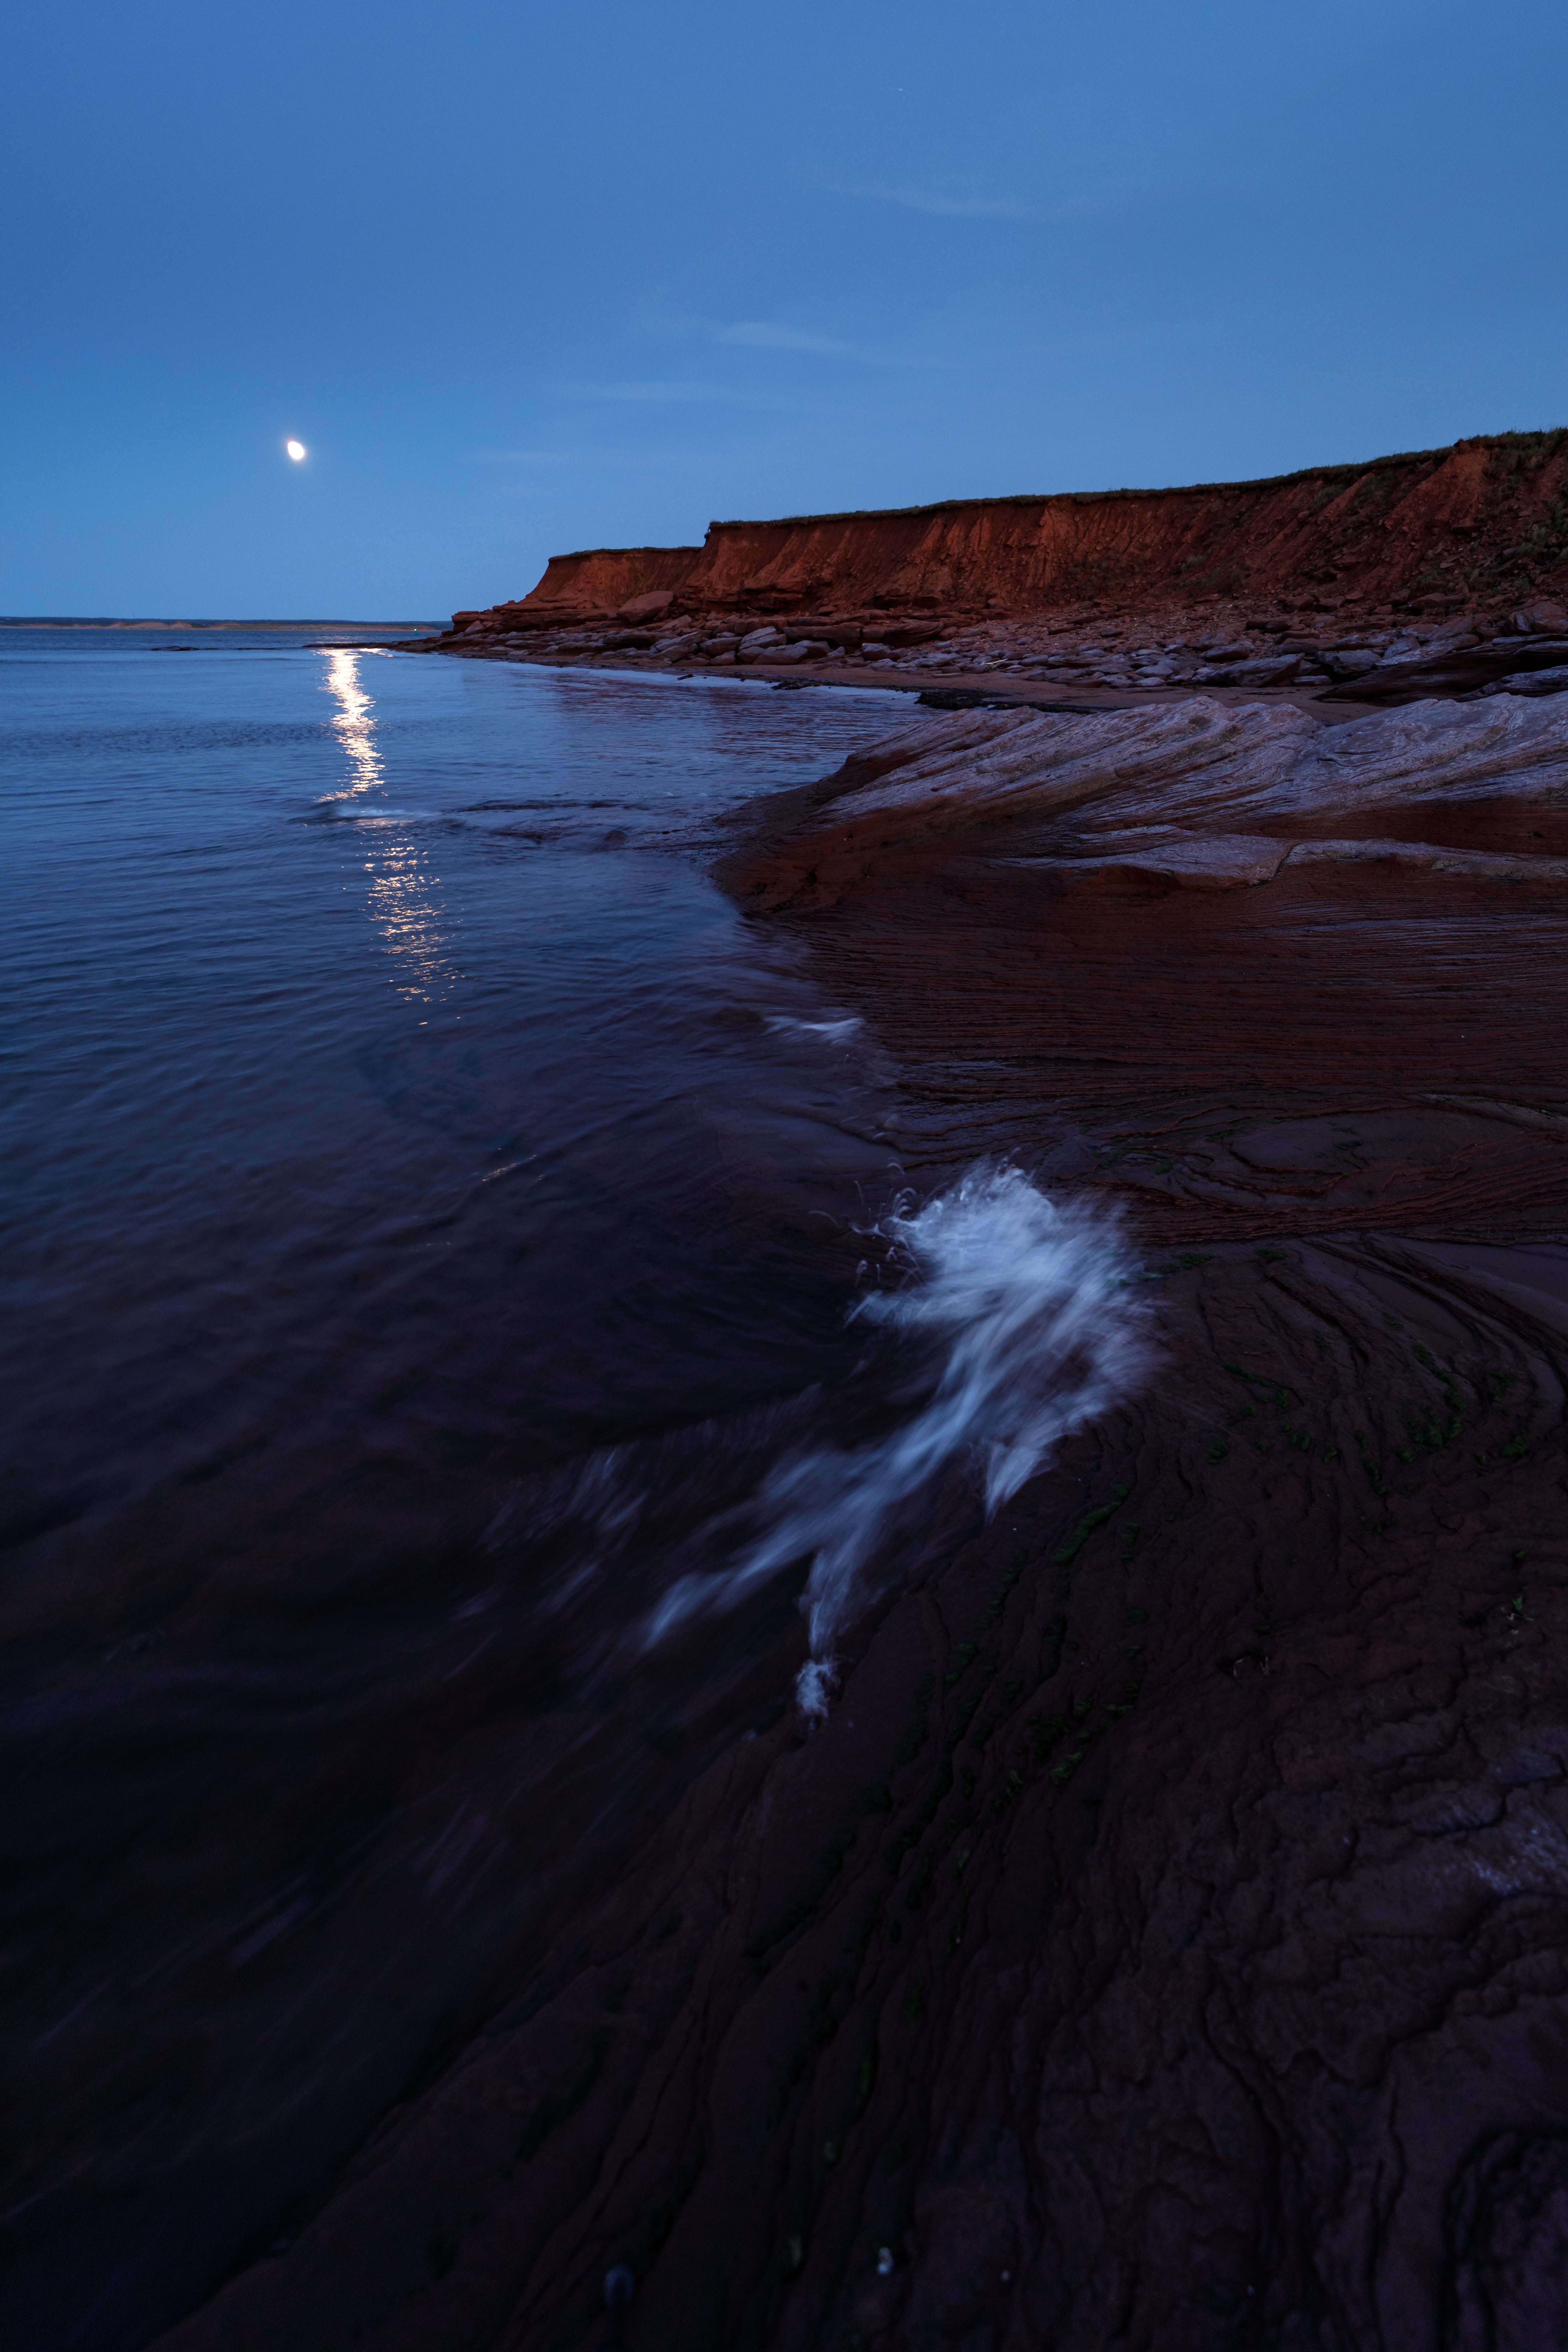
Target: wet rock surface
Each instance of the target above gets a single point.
(1057, 790)
(1163, 1940)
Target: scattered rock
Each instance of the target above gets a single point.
(1350, 661)
(1269, 670)
(1531, 681)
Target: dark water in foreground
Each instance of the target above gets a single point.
(396, 1120)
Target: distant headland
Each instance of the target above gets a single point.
(1427, 568)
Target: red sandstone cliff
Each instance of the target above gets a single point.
(1483, 520)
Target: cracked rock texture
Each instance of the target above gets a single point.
(1163, 1941)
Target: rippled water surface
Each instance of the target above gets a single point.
(408, 1153)
(337, 980)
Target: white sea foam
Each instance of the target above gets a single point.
(814, 1685)
(835, 1033)
(1027, 1299)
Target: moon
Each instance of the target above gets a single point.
(296, 450)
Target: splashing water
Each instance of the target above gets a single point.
(836, 1032)
(1027, 1297)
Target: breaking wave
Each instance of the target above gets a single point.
(1024, 1301)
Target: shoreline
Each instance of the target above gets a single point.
(1430, 572)
(1390, 665)
(988, 691)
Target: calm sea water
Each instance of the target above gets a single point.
(405, 1145)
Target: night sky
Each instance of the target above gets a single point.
(525, 279)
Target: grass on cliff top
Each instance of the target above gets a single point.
(1543, 443)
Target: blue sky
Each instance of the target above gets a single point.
(528, 277)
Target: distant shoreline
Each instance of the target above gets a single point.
(75, 621)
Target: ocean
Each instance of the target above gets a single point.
(466, 1338)
(397, 1121)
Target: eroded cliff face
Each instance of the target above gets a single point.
(1482, 521)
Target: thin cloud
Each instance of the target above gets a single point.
(936, 202)
(669, 395)
(768, 335)
(760, 335)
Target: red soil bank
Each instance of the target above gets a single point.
(1484, 520)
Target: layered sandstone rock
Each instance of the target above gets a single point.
(1195, 791)
(1437, 529)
